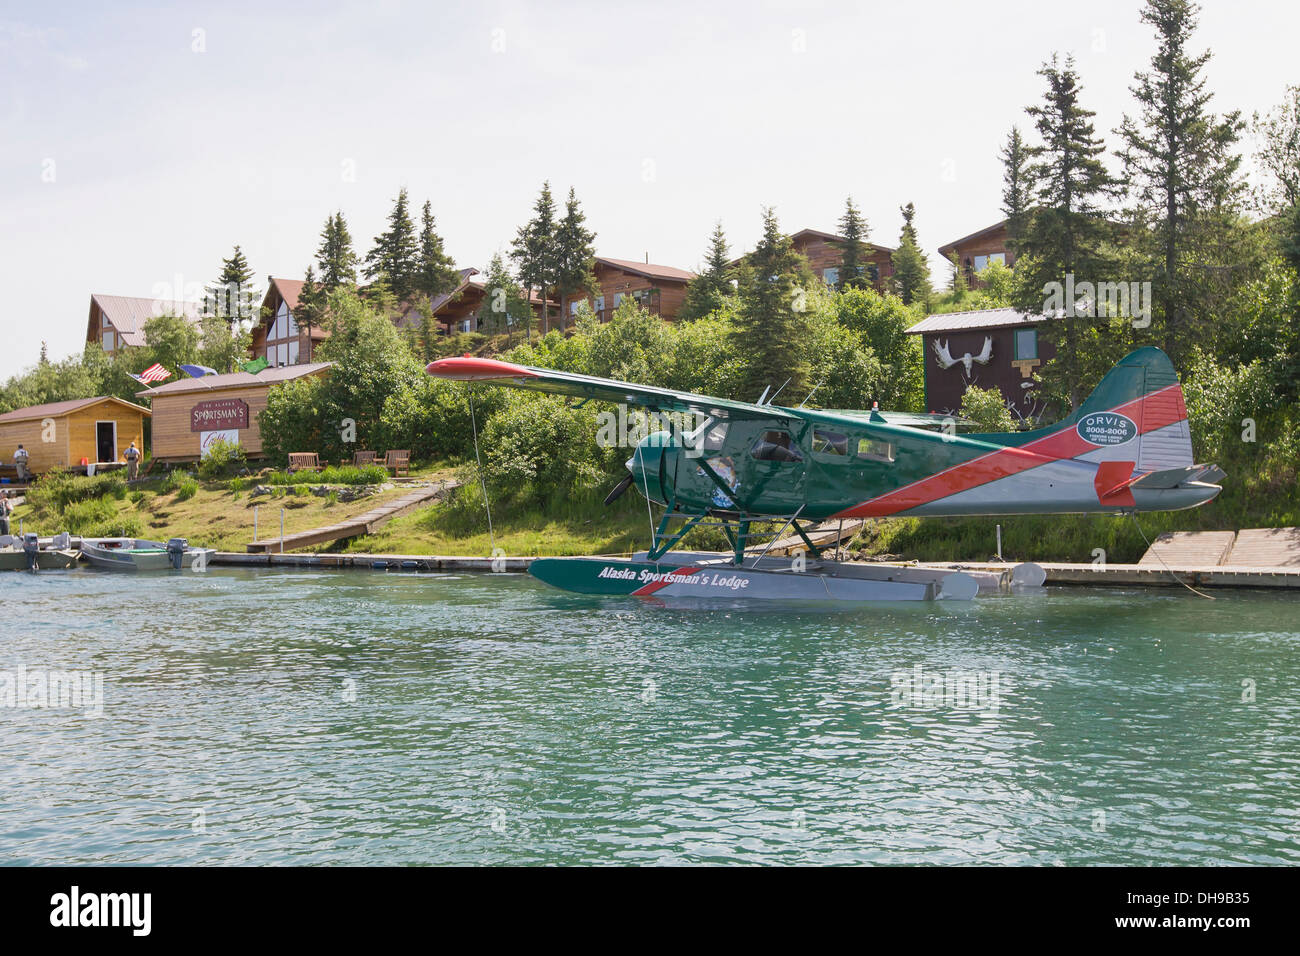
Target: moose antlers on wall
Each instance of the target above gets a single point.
(947, 361)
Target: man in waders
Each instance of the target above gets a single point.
(132, 462)
(6, 509)
(20, 462)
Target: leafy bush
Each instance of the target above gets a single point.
(986, 407)
(186, 489)
(55, 490)
(223, 458)
(332, 475)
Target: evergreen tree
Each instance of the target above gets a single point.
(1182, 173)
(312, 299)
(1278, 133)
(221, 346)
(772, 324)
(335, 255)
(436, 273)
(395, 256)
(1068, 233)
(504, 308)
(574, 255)
(958, 285)
(533, 252)
(1015, 187)
(911, 271)
(233, 297)
(707, 292)
(853, 247)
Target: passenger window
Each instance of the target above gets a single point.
(830, 443)
(873, 450)
(775, 446)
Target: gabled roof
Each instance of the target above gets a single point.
(950, 247)
(443, 299)
(268, 376)
(648, 269)
(979, 319)
(57, 409)
(287, 289)
(832, 237)
(128, 314)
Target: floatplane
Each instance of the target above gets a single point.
(1126, 449)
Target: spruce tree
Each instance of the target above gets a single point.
(310, 313)
(533, 251)
(335, 255)
(233, 296)
(1015, 187)
(504, 308)
(435, 273)
(1068, 234)
(911, 271)
(853, 247)
(709, 290)
(771, 327)
(1182, 172)
(395, 254)
(575, 256)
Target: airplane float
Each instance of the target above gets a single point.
(1126, 449)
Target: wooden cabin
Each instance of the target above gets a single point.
(71, 434)
(660, 289)
(825, 256)
(457, 311)
(117, 321)
(991, 348)
(277, 337)
(976, 251)
(190, 414)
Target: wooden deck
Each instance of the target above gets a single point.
(1249, 548)
(353, 527)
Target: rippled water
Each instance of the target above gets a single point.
(359, 717)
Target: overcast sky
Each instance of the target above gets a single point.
(139, 143)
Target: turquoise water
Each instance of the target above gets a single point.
(366, 718)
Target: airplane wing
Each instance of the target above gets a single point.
(496, 372)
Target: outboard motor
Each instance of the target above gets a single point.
(31, 548)
(176, 551)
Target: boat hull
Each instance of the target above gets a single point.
(125, 554)
(13, 559)
(721, 580)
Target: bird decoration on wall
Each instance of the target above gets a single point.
(947, 361)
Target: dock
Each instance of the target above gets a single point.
(354, 527)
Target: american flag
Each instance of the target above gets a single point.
(154, 373)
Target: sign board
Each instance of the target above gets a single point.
(1106, 428)
(219, 414)
(207, 438)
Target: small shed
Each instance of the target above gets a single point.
(61, 434)
(991, 348)
(191, 413)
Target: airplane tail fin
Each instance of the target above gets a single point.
(1135, 414)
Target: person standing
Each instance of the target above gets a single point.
(6, 509)
(132, 462)
(20, 463)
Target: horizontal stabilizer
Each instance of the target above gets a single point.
(1176, 477)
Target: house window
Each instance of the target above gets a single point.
(776, 446)
(293, 352)
(832, 276)
(108, 340)
(600, 304)
(618, 299)
(830, 443)
(872, 450)
(1026, 343)
(982, 262)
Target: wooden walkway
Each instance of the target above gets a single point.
(353, 527)
(1249, 548)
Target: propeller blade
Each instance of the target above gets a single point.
(619, 488)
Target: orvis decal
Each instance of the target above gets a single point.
(1106, 428)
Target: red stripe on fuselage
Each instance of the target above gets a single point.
(1003, 462)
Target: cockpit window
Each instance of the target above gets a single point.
(775, 446)
(830, 443)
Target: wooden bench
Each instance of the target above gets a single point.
(363, 458)
(303, 461)
(399, 461)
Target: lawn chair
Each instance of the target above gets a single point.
(363, 458)
(303, 461)
(399, 461)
